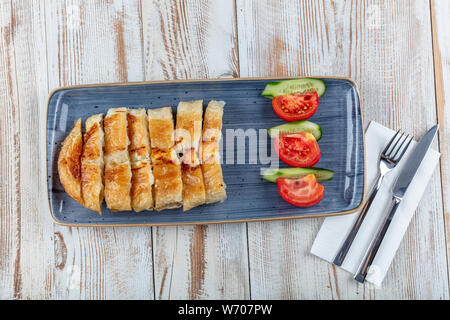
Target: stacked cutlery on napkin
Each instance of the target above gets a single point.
(382, 230)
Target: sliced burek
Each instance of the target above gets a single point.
(117, 161)
(189, 125)
(69, 163)
(211, 168)
(139, 151)
(193, 185)
(92, 164)
(139, 147)
(165, 163)
(168, 186)
(115, 125)
(117, 186)
(141, 185)
(187, 139)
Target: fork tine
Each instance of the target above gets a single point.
(390, 142)
(392, 154)
(394, 147)
(404, 149)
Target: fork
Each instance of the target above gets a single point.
(389, 158)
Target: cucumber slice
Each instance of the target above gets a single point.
(297, 126)
(272, 175)
(279, 88)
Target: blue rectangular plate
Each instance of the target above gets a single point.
(249, 197)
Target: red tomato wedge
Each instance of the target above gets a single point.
(298, 149)
(301, 192)
(296, 106)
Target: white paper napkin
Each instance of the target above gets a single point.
(334, 229)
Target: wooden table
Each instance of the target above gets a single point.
(397, 51)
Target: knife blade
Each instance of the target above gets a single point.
(413, 162)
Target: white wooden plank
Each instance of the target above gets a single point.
(386, 47)
(36, 228)
(189, 40)
(10, 231)
(441, 45)
(92, 42)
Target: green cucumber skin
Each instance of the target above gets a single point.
(272, 89)
(272, 175)
(297, 126)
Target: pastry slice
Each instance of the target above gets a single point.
(117, 162)
(168, 186)
(69, 163)
(189, 125)
(141, 185)
(118, 186)
(139, 150)
(211, 168)
(166, 166)
(193, 185)
(92, 164)
(187, 137)
(116, 136)
(160, 122)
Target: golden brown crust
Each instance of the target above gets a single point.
(117, 187)
(139, 150)
(166, 166)
(168, 186)
(214, 185)
(213, 116)
(139, 147)
(117, 161)
(116, 136)
(211, 168)
(210, 152)
(92, 186)
(188, 134)
(193, 187)
(69, 163)
(91, 138)
(161, 156)
(92, 165)
(160, 122)
(141, 186)
(189, 125)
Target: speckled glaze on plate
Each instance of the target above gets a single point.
(249, 197)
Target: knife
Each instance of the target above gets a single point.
(400, 187)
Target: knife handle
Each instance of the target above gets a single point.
(375, 245)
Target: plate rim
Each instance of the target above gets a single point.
(136, 83)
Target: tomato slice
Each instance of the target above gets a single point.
(301, 192)
(298, 149)
(296, 106)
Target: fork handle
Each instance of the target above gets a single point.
(371, 253)
(342, 253)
